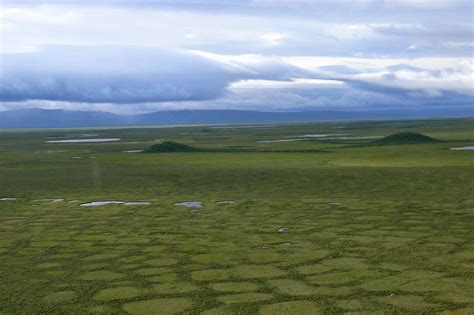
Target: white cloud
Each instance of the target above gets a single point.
(235, 54)
(294, 83)
(425, 4)
(26, 27)
(273, 39)
(432, 83)
(430, 63)
(147, 77)
(366, 4)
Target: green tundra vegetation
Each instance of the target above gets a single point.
(302, 218)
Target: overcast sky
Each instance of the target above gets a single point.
(146, 55)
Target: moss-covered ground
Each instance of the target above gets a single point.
(318, 226)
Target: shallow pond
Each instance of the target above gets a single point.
(92, 140)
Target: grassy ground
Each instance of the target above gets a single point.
(317, 226)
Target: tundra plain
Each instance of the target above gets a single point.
(249, 224)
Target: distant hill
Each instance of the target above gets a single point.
(170, 146)
(56, 118)
(43, 118)
(406, 138)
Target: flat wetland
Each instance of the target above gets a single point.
(248, 225)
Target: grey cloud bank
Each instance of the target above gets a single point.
(111, 74)
(128, 75)
(173, 78)
(133, 57)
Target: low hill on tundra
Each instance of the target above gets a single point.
(170, 146)
(406, 138)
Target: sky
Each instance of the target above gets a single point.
(266, 55)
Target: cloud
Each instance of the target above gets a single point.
(366, 4)
(128, 74)
(142, 79)
(405, 80)
(244, 27)
(363, 84)
(273, 39)
(425, 4)
(143, 55)
(454, 31)
(110, 74)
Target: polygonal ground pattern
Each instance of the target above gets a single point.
(335, 259)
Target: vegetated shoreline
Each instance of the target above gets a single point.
(401, 138)
(175, 147)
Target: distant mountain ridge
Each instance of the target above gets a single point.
(57, 118)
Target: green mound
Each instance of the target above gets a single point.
(406, 138)
(291, 307)
(60, 297)
(170, 146)
(111, 294)
(158, 306)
